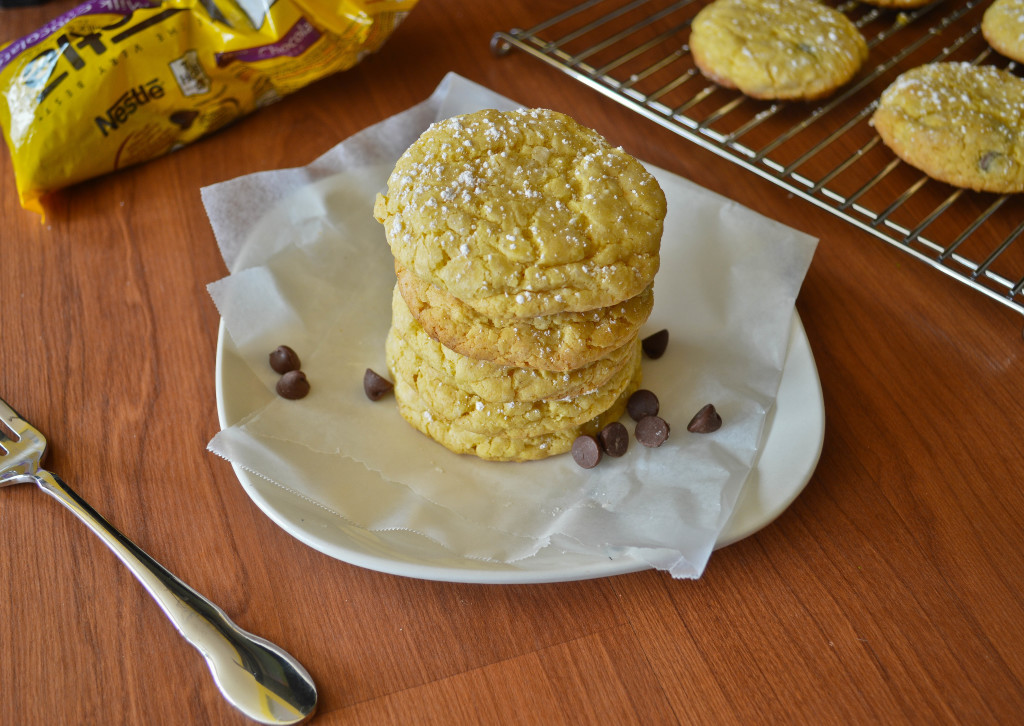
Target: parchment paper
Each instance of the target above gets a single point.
(311, 268)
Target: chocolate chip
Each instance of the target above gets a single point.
(654, 345)
(614, 439)
(375, 385)
(651, 431)
(293, 384)
(987, 158)
(642, 403)
(705, 421)
(284, 359)
(586, 452)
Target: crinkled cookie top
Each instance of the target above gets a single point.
(777, 49)
(523, 213)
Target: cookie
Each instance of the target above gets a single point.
(523, 214)
(959, 123)
(559, 342)
(1003, 28)
(517, 419)
(496, 383)
(777, 49)
(502, 447)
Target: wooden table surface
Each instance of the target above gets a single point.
(889, 592)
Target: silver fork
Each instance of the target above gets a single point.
(257, 677)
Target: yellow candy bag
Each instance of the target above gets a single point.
(113, 83)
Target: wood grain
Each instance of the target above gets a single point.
(889, 592)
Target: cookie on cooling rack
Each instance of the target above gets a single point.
(1003, 28)
(959, 123)
(777, 49)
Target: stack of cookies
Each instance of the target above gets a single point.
(525, 250)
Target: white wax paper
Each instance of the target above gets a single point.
(311, 268)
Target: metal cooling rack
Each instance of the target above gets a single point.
(637, 54)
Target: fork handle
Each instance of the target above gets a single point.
(175, 598)
(256, 676)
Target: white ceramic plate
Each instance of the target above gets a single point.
(795, 427)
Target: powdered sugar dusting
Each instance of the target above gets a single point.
(496, 203)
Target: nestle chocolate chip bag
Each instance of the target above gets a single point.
(113, 83)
